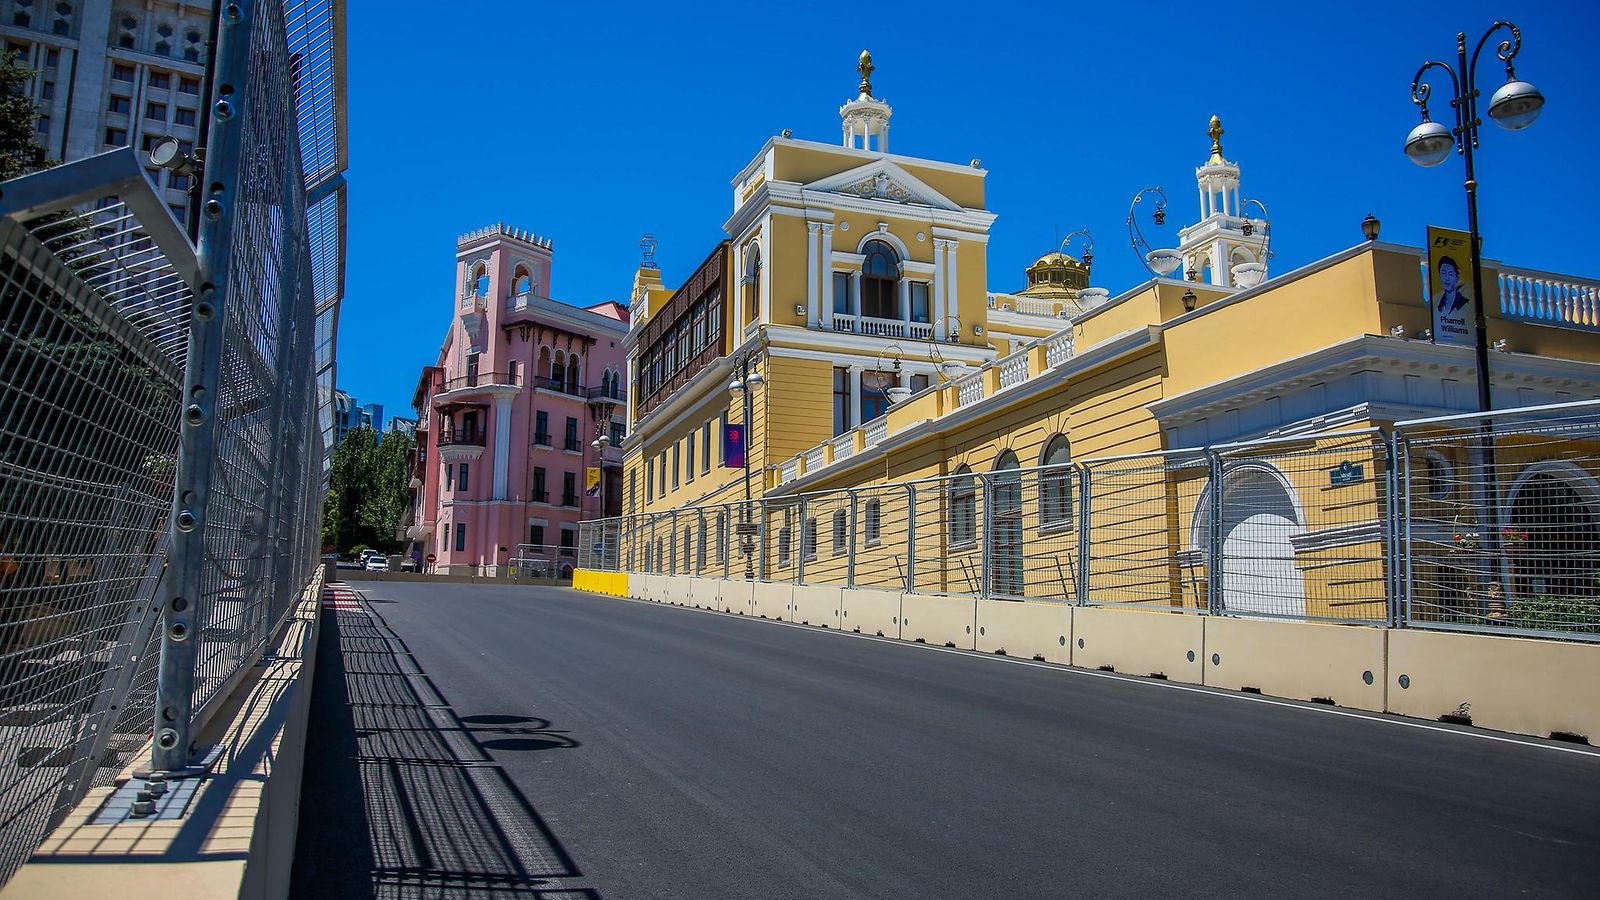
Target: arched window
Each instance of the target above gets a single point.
(558, 369)
(521, 282)
(1055, 484)
(841, 530)
(700, 556)
(880, 280)
(963, 507)
(573, 365)
(874, 523)
(1006, 536)
(753, 279)
(688, 545)
(480, 281)
(810, 538)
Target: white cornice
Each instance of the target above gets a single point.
(794, 336)
(937, 165)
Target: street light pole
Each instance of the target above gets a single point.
(1514, 106)
(745, 386)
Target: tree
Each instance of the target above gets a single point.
(19, 118)
(367, 490)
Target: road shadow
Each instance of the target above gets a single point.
(400, 798)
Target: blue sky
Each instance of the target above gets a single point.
(591, 123)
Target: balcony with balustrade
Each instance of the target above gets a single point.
(476, 387)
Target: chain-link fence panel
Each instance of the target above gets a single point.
(882, 536)
(1142, 547)
(947, 536)
(1502, 524)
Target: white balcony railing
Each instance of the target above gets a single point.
(1014, 369)
(844, 446)
(789, 471)
(875, 327)
(877, 431)
(1058, 349)
(969, 390)
(816, 457)
(1034, 306)
(1546, 299)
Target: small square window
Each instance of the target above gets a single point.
(161, 81)
(189, 86)
(44, 124)
(121, 72)
(183, 116)
(47, 91)
(157, 111)
(117, 137)
(52, 58)
(119, 104)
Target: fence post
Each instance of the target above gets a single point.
(911, 537)
(761, 539)
(986, 535)
(185, 585)
(854, 538)
(1085, 545)
(1400, 506)
(1214, 569)
(805, 534)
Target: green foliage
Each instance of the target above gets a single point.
(1557, 614)
(19, 115)
(367, 492)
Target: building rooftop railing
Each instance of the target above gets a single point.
(475, 437)
(480, 379)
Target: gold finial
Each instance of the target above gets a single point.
(1216, 140)
(866, 73)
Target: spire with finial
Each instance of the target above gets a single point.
(1216, 140)
(865, 68)
(866, 118)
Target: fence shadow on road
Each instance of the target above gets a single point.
(400, 799)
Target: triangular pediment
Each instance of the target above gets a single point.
(882, 179)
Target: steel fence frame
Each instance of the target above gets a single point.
(1319, 527)
(164, 422)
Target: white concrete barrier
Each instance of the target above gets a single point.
(736, 595)
(871, 611)
(1301, 660)
(816, 605)
(1512, 684)
(939, 619)
(1026, 628)
(1139, 642)
(772, 599)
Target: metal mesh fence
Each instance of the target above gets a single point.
(162, 417)
(1355, 526)
(1503, 522)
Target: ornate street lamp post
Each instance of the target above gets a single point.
(744, 387)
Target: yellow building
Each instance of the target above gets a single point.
(852, 270)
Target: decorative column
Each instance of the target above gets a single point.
(826, 274)
(854, 418)
(502, 444)
(939, 245)
(855, 286)
(813, 258)
(765, 309)
(952, 293)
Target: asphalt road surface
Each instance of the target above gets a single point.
(488, 741)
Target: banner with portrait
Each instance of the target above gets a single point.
(1450, 286)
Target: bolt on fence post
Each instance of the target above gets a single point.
(855, 536)
(1085, 545)
(911, 537)
(1214, 568)
(184, 587)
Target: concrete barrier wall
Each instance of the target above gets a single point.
(871, 611)
(815, 605)
(1537, 687)
(1027, 628)
(613, 584)
(1511, 684)
(939, 620)
(1301, 660)
(1138, 642)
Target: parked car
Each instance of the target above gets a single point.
(377, 563)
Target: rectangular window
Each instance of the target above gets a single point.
(919, 301)
(675, 467)
(874, 393)
(161, 81)
(449, 476)
(117, 137)
(633, 490)
(540, 495)
(121, 72)
(919, 383)
(44, 125)
(572, 433)
(52, 58)
(722, 449)
(541, 428)
(183, 117)
(189, 86)
(619, 432)
(841, 400)
(157, 111)
(662, 477)
(569, 540)
(462, 484)
(688, 459)
(119, 104)
(461, 536)
(536, 535)
(878, 298)
(705, 448)
(569, 489)
(649, 483)
(48, 91)
(842, 301)
(147, 144)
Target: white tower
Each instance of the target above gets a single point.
(1212, 247)
(866, 118)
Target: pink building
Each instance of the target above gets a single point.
(508, 419)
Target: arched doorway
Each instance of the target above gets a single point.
(1260, 519)
(1553, 536)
